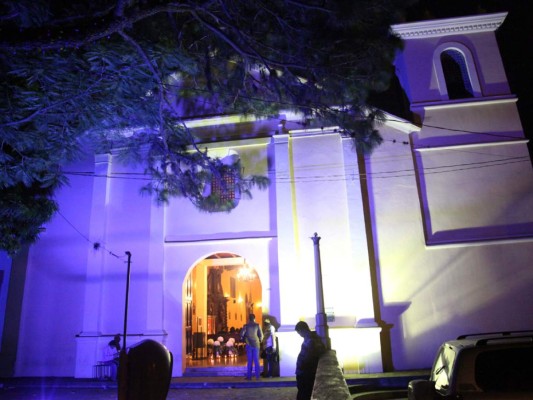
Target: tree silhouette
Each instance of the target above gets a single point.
(126, 74)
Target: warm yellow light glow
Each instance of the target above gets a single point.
(358, 349)
(229, 119)
(246, 273)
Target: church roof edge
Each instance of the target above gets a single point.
(449, 26)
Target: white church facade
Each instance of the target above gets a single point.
(429, 237)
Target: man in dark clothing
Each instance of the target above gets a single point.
(307, 362)
(252, 335)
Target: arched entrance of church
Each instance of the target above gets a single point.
(221, 291)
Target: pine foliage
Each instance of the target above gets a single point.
(125, 73)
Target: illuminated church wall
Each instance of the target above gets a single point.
(433, 292)
(451, 229)
(462, 264)
(190, 235)
(312, 190)
(183, 221)
(53, 304)
(180, 257)
(420, 78)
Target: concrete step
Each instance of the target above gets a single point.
(215, 371)
(391, 394)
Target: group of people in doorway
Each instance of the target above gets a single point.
(306, 363)
(262, 343)
(257, 339)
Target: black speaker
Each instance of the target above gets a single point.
(149, 365)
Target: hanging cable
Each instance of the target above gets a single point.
(96, 245)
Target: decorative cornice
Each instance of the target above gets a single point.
(329, 130)
(476, 101)
(449, 26)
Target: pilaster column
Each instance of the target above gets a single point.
(286, 228)
(95, 259)
(358, 233)
(87, 350)
(156, 260)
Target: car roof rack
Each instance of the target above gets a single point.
(502, 334)
(483, 342)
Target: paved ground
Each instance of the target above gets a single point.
(198, 388)
(270, 393)
(227, 388)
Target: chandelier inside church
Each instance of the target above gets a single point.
(246, 273)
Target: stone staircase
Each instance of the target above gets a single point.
(238, 371)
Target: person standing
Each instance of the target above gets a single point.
(252, 335)
(270, 349)
(307, 361)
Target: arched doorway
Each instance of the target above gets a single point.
(221, 291)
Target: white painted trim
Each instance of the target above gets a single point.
(184, 239)
(237, 143)
(476, 243)
(400, 124)
(225, 119)
(472, 145)
(470, 67)
(449, 26)
(439, 105)
(219, 120)
(315, 131)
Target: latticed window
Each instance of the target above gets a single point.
(224, 188)
(456, 75)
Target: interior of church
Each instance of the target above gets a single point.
(221, 291)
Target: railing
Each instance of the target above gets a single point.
(329, 380)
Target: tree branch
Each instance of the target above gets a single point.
(244, 53)
(44, 110)
(155, 73)
(114, 27)
(162, 97)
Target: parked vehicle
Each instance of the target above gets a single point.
(484, 366)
